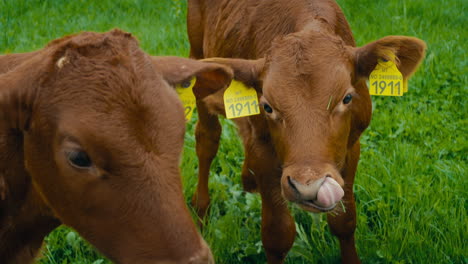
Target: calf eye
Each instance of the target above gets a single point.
(186, 84)
(267, 108)
(347, 99)
(79, 159)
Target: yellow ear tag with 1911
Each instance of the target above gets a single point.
(185, 92)
(386, 79)
(240, 100)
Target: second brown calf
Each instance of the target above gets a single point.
(300, 56)
(91, 132)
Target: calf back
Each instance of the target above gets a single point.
(248, 28)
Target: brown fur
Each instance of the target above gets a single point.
(97, 93)
(301, 58)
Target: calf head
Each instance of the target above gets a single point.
(316, 105)
(102, 134)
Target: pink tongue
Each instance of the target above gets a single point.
(329, 193)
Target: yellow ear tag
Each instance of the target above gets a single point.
(386, 79)
(240, 100)
(405, 85)
(185, 92)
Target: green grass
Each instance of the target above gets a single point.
(411, 183)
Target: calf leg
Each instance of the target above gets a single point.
(249, 179)
(207, 134)
(262, 165)
(343, 224)
(278, 227)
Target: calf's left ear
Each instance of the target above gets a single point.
(211, 77)
(408, 52)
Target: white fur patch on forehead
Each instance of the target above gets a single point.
(62, 61)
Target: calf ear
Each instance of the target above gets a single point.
(247, 71)
(211, 77)
(18, 89)
(408, 51)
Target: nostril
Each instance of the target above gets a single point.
(328, 175)
(291, 184)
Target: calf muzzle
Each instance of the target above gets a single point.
(310, 193)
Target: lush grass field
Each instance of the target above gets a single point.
(411, 184)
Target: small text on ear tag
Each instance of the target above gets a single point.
(386, 79)
(185, 92)
(240, 100)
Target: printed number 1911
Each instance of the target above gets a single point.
(238, 108)
(382, 85)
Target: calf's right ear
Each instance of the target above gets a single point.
(18, 89)
(211, 77)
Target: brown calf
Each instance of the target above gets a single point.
(90, 136)
(301, 58)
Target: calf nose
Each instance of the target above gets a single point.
(306, 191)
(324, 192)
